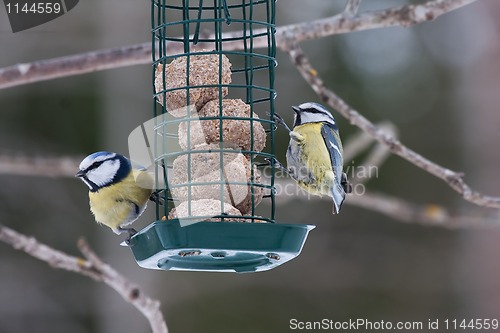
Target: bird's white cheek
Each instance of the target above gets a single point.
(104, 174)
(99, 178)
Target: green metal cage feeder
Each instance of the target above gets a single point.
(214, 105)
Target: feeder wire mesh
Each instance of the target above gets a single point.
(184, 83)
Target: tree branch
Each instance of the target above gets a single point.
(23, 165)
(427, 214)
(356, 144)
(139, 54)
(401, 210)
(92, 267)
(452, 178)
(404, 16)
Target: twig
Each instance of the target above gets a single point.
(23, 165)
(377, 156)
(400, 210)
(452, 178)
(405, 211)
(141, 53)
(404, 16)
(92, 267)
(353, 145)
(129, 291)
(352, 7)
(356, 144)
(42, 70)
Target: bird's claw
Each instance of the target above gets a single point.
(277, 164)
(155, 197)
(131, 232)
(279, 120)
(272, 161)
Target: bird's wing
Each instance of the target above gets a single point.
(332, 141)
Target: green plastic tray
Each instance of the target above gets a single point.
(217, 246)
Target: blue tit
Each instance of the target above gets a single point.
(314, 154)
(118, 192)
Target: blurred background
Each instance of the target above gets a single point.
(438, 82)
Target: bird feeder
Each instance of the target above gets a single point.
(213, 81)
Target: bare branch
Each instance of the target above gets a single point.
(141, 54)
(54, 258)
(400, 210)
(129, 291)
(92, 267)
(452, 178)
(377, 156)
(23, 165)
(353, 145)
(42, 70)
(407, 212)
(352, 7)
(404, 16)
(357, 144)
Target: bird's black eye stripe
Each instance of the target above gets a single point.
(95, 165)
(313, 110)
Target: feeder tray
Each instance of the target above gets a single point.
(217, 246)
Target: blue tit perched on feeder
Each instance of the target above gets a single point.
(118, 192)
(314, 155)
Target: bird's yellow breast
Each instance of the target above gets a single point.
(313, 146)
(314, 155)
(116, 204)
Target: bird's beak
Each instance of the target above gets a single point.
(80, 174)
(296, 109)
